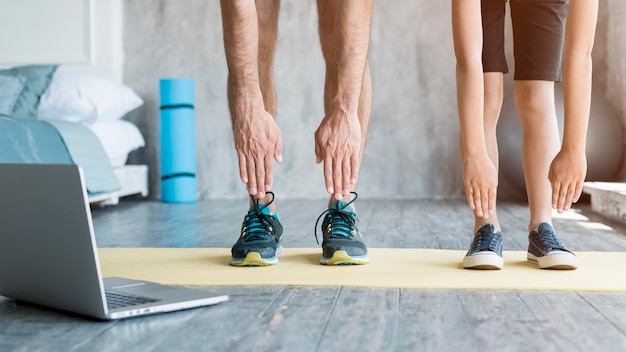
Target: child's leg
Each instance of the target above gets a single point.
(540, 143)
(538, 33)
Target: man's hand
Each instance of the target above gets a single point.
(567, 174)
(257, 141)
(338, 144)
(481, 185)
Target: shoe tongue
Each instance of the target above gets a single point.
(544, 226)
(487, 227)
(264, 210)
(339, 205)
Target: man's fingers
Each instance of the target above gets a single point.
(269, 174)
(328, 175)
(278, 151)
(260, 177)
(251, 170)
(318, 153)
(354, 169)
(345, 175)
(337, 179)
(243, 170)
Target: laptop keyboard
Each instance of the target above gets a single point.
(117, 300)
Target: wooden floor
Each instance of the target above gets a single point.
(285, 318)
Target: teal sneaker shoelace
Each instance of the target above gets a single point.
(341, 221)
(258, 224)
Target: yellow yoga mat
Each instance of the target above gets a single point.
(389, 267)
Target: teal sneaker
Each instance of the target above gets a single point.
(342, 241)
(261, 235)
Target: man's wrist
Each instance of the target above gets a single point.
(345, 104)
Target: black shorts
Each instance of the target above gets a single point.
(538, 33)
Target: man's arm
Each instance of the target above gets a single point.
(479, 173)
(257, 136)
(338, 139)
(569, 167)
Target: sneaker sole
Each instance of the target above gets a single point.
(483, 261)
(342, 258)
(555, 261)
(255, 259)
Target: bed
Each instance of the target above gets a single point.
(51, 116)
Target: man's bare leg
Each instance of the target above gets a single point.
(243, 16)
(250, 31)
(340, 140)
(328, 30)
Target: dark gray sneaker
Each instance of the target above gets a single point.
(260, 241)
(342, 243)
(545, 250)
(486, 250)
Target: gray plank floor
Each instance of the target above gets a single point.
(291, 318)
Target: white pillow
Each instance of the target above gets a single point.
(118, 138)
(85, 98)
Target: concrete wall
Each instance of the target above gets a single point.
(412, 149)
(610, 58)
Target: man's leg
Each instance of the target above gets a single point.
(328, 12)
(250, 32)
(342, 240)
(267, 14)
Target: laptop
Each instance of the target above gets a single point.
(48, 253)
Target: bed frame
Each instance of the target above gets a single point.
(134, 182)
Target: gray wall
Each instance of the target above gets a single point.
(412, 149)
(610, 58)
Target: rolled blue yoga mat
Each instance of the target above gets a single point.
(178, 147)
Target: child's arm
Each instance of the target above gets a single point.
(569, 167)
(479, 173)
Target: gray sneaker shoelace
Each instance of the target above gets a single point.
(549, 241)
(258, 224)
(341, 221)
(486, 241)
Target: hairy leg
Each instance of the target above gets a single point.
(328, 17)
(267, 14)
(535, 103)
(244, 24)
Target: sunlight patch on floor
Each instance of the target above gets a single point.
(575, 215)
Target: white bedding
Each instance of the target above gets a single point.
(119, 138)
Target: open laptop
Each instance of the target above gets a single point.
(48, 253)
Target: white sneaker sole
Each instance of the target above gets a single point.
(483, 261)
(556, 260)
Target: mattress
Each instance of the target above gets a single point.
(33, 141)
